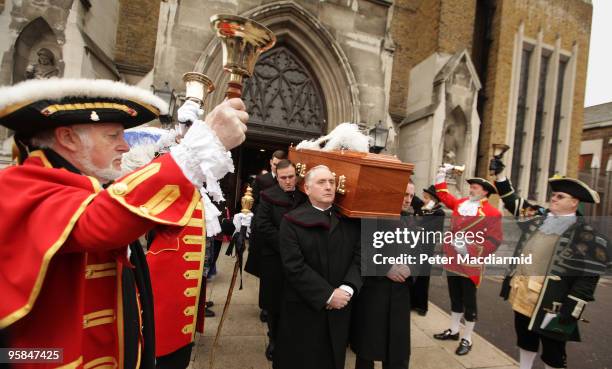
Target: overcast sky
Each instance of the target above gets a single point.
(599, 77)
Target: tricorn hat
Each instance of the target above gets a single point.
(488, 186)
(431, 190)
(35, 105)
(574, 187)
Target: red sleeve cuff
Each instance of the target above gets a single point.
(441, 187)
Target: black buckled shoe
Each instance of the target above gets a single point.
(208, 313)
(270, 351)
(447, 335)
(263, 316)
(464, 347)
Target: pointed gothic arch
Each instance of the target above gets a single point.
(302, 36)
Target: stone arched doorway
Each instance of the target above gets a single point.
(301, 88)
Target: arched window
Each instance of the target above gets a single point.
(283, 95)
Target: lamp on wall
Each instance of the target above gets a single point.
(167, 94)
(378, 137)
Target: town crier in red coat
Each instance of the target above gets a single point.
(175, 256)
(476, 215)
(67, 277)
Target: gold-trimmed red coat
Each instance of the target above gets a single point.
(176, 263)
(488, 221)
(63, 247)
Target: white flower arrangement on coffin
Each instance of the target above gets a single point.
(345, 136)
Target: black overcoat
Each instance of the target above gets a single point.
(273, 204)
(262, 182)
(319, 253)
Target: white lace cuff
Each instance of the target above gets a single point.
(203, 159)
(211, 215)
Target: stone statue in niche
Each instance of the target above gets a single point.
(451, 145)
(461, 77)
(44, 68)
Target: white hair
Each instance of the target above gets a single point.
(310, 174)
(44, 139)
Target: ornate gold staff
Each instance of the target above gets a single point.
(242, 40)
(238, 242)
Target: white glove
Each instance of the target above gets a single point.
(441, 175)
(242, 219)
(189, 112)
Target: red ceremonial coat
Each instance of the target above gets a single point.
(62, 251)
(488, 221)
(176, 263)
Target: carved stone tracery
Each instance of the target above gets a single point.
(283, 93)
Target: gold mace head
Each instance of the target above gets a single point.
(242, 40)
(197, 86)
(247, 200)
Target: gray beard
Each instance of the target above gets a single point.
(104, 175)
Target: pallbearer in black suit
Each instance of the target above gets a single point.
(380, 328)
(431, 219)
(320, 252)
(274, 203)
(262, 182)
(267, 180)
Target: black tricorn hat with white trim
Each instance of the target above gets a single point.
(488, 186)
(36, 105)
(575, 188)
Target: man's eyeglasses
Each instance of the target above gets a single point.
(559, 196)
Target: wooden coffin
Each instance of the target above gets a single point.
(369, 185)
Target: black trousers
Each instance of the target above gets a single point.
(462, 292)
(367, 364)
(216, 251)
(178, 359)
(419, 292)
(273, 320)
(553, 351)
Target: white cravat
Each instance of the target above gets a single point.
(469, 208)
(557, 224)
